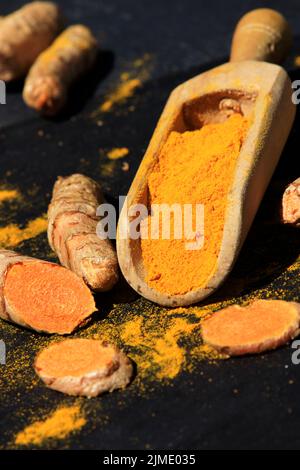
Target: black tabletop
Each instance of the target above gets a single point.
(241, 403)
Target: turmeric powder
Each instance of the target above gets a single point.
(72, 232)
(162, 342)
(193, 167)
(129, 81)
(42, 296)
(71, 55)
(62, 422)
(12, 235)
(8, 194)
(124, 91)
(83, 367)
(291, 204)
(260, 326)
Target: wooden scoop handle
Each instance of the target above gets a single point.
(261, 34)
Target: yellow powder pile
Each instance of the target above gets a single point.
(12, 235)
(8, 194)
(193, 167)
(118, 152)
(58, 425)
(162, 342)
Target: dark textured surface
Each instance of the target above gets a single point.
(241, 403)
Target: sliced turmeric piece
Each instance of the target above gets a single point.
(291, 204)
(42, 296)
(24, 34)
(83, 367)
(71, 55)
(72, 232)
(262, 325)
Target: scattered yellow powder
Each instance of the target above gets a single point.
(205, 351)
(123, 91)
(167, 353)
(108, 167)
(129, 81)
(12, 235)
(58, 425)
(8, 194)
(295, 266)
(162, 342)
(118, 152)
(17, 373)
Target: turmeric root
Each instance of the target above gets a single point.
(42, 296)
(72, 224)
(83, 367)
(24, 34)
(291, 204)
(262, 325)
(71, 55)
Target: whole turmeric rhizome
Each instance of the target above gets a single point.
(42, 296)
(47, 297)
(193, 167)
(50, 298)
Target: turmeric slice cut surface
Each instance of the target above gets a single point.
(24, 34)
(83, 367)
(46, 297)
(72, 232)
(262, 325)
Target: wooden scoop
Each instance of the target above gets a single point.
(259, 89)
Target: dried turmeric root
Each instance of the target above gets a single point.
(262, 325)
(71, 55)
(72, 223)
(83, 367)
(42, 296)
(24, 35)
(291, 204)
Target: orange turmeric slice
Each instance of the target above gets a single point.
(24, 34)
(262, 325)
(42, 296)
(84, 367)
